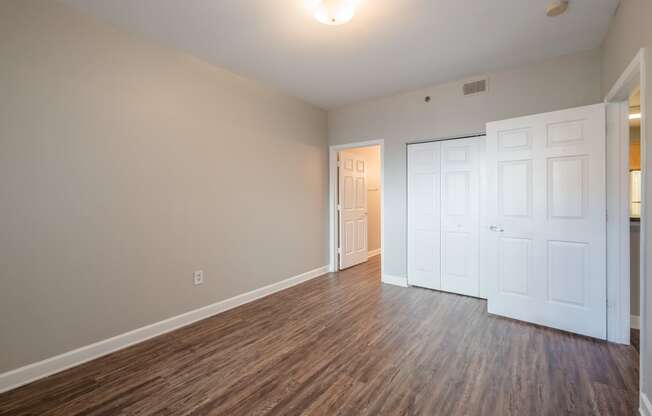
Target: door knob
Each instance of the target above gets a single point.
(496, 228)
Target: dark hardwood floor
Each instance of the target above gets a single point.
(343, 344)
(635, 339)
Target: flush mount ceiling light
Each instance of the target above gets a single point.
(635, 116)
(332, 12)
(557, 8)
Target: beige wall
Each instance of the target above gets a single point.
(125, 166)
(559, 83)
(371, 155)
(630, 31)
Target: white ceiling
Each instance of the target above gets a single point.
(390, 46)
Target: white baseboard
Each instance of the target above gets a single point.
(635, 322)
(395, 280)
(32, 372)
(374, 253)
(646, 406)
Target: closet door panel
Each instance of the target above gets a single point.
(424, 215)
(460, 249)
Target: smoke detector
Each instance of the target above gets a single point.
(557, 8)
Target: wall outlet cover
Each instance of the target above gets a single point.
(198, 277)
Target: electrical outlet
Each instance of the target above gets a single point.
(198, 277)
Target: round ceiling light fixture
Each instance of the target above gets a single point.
(557, 8)
(332, 12)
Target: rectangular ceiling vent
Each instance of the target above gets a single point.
(475, 87)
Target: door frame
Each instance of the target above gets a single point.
(618, 295)
(618, 223)
(333, 228)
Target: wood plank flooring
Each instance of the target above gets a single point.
(343, 344)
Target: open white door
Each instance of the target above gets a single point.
(547, 216)
(352, 205)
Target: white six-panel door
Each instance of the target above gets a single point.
(352, 209)
(546, 232)
(443, 215)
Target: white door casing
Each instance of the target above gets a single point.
(618, 223)
(352, 204)
(546, 206)
(424, 215)
(460, 220)
(443, 215)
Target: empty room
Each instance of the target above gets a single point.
(325, 207)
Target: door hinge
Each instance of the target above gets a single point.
(339, 207)
(339, 164)
(339, 250)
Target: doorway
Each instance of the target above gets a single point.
(635, 212)
(356, 173)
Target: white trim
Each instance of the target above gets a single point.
(374, 253)
(628, 80)
(32, 372)
(644, 311)
(635, 322)
(395, 280)
(646, 406)
(635, 74)
(332, 199)
(618, 222)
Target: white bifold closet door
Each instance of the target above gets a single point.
(444, 215)
(546, 211)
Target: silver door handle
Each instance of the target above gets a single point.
(496, 228)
